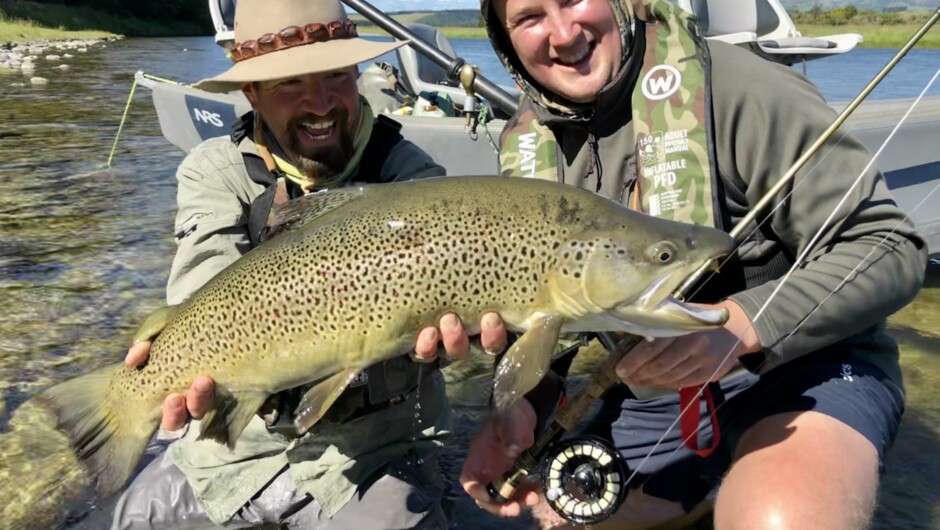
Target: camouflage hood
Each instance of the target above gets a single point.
(552, 107)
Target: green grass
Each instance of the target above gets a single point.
(893, 36)
(17, 30)
(23, 21)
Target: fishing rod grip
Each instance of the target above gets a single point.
(503, 489)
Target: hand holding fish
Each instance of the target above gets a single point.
(456, 339)
(693, 359)
(178, 409)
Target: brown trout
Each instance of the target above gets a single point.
(348, 277)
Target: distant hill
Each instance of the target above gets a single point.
(470, 18)
(876, 5)
(460, 18)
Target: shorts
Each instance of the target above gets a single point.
(845, 386)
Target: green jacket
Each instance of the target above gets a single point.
(331, 460)
(765, 116)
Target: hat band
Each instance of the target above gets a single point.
(293, 36)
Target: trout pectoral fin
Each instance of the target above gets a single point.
(233, 410)
(155, 322)
(526, 362)
(320, 398)
(295, 213)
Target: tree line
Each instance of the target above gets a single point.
(128, 17)
(850, 14)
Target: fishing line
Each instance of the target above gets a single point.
(896, 225)
(767, 218)
(799, 261)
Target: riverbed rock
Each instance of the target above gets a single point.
(38, 81)
(53, 58)
(64, 67)
(82, 50)
(67, 56)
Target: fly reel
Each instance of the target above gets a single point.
(584, 480)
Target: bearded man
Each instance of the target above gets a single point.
(296, 62)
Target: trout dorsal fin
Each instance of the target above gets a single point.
(296, 212)
(155, 322)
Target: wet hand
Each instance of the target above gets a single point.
(456, 339)
(693, 359)
(177, 409)
(492, 453)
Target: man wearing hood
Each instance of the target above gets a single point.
(627, 99)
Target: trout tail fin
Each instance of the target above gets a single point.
(108, 442)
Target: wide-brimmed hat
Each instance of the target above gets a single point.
(275, 39)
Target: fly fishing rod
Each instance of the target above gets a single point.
(584, 479)
(451, 65)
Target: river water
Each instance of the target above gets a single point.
(85, 250)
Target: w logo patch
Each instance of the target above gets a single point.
(661, 82)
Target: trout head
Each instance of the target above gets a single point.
(623, 279)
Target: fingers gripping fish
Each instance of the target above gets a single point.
(349, 276)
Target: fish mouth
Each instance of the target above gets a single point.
(669, 318)
(692, 314)
(658, 290)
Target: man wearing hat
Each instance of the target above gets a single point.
(296, 62)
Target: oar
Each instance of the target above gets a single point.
(496, 95)
(504, 488)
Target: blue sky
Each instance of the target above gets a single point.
(424, 5)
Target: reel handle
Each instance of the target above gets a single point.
(567, 418)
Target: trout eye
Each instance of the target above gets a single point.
(663, 252)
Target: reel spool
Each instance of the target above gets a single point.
(584, 480)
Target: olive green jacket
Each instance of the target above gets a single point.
(331, 460)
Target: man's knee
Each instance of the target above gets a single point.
(159, 497)
(799, 471)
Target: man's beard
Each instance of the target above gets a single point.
(321, 163)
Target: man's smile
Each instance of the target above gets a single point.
(320, 130)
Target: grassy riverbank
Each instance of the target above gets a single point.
(894, 36)
(873, 36)
(22, 21)
(17, 30)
